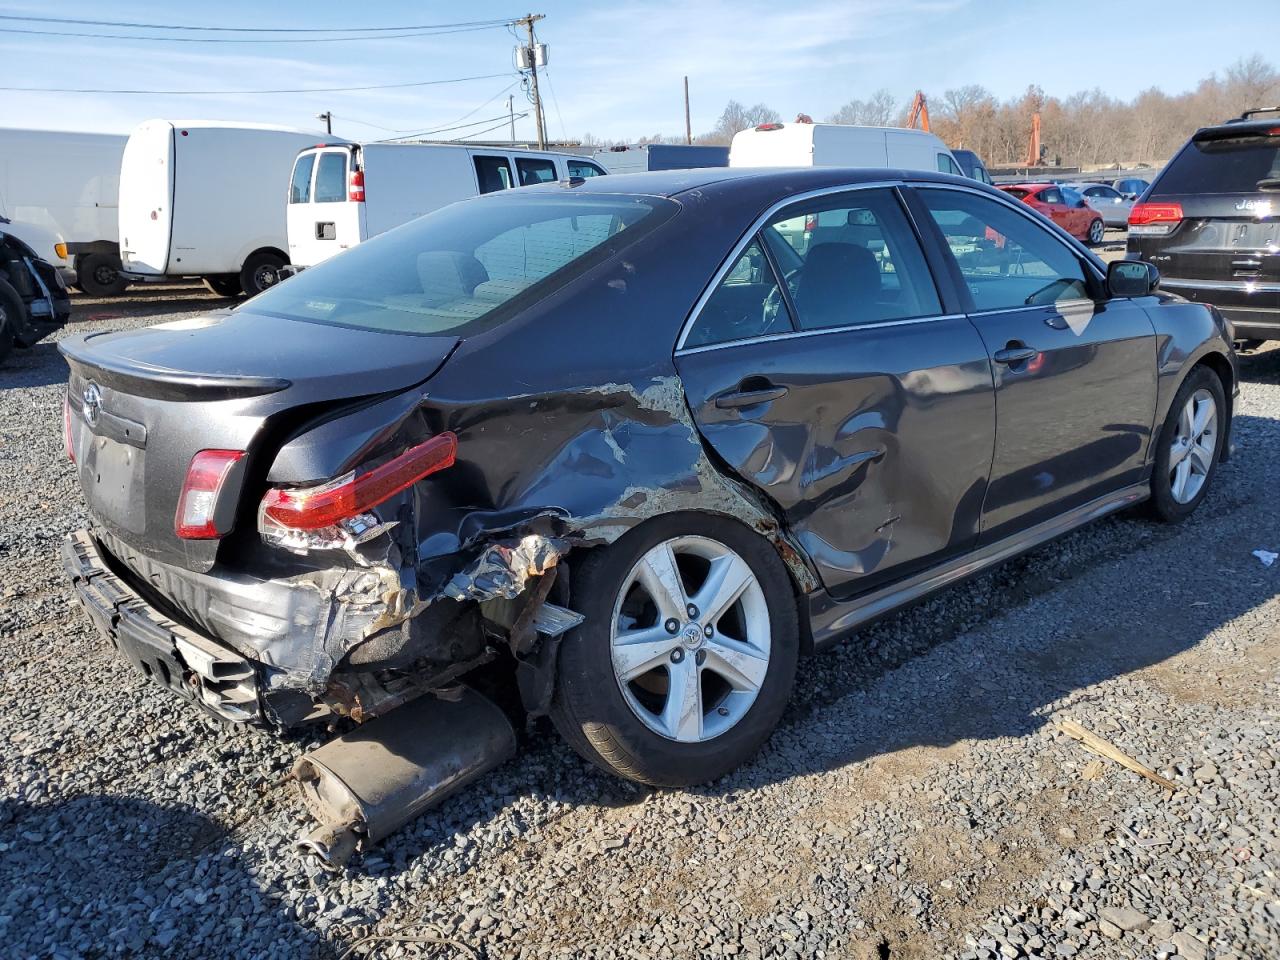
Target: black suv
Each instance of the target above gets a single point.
(1211, 223)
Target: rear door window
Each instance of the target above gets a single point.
(580, 168)
(535, 171)
(747, 303)
(300, 185)
(493, 173)
(331, 178)
(947, 165)
(1050, 195)
(1232, 165)
(1007, 260)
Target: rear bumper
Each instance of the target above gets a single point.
(192, 665)
(1252, 308)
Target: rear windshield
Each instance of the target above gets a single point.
(1016, 192)
(466, 267)
(1234, 165)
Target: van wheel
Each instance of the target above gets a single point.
(260, 271)
(686, 658)
(1096, 232)
(98, 275)
(224, 285)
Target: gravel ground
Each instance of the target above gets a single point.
(917, 801)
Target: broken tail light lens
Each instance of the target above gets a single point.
(67, 443)
(313, 516)
(199, 498)
(1154, 219)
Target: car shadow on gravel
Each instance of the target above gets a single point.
(1262, 366)
(37, 366)
(101, 875)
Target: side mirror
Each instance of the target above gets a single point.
(1131, 278)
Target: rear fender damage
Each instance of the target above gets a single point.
(465, 560)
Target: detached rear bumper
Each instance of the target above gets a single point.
(190, 664)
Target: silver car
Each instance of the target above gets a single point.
(1108, 201)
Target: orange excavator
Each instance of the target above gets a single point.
(918, 118)
(1034, 150)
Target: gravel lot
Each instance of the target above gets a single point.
(918, 800)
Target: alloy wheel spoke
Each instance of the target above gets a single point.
(728, 577)
(1178, 453)
(1201, 456)
(1179, 484)
(636, 652)
(1185, 420)
(742, 666)
(661, 577)
(682, 713)
(1204, 412)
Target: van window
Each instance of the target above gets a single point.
(947, 165)
(300, 185)
(493, 173)
(331, 178)
(466, 267)
(535, 171)
(580, 168)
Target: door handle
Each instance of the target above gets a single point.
(749, 398)
(1014, 353)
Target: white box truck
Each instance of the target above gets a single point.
(201, 198)
(341, 194)
(58, 192)
(840, 145)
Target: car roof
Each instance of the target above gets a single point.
(1028, 186)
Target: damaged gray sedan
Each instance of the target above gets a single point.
(617, 450)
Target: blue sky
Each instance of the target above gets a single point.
(616, 67)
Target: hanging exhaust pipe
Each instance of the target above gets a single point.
(367, 784)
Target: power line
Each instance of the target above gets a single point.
(125, 36)
(178, 26)
(486, 130)
(460, 126)
(233, 93)
(412, 130)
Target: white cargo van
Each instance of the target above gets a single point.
(59, 192)
(201, 198)
(840, 145)
(343, 193)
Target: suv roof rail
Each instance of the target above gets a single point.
(1257, 110)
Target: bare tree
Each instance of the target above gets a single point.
(878, 110)
(736, 117)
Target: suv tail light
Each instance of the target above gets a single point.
(311, 516)
(199, 498)
(355, 191)
(1154, 219)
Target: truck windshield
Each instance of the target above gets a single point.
(466, 267)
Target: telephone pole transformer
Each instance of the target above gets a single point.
(529, 58)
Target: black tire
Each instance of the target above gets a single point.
(224, 285)
(260, 272)
(98, 275)
(1164, 504)
(9, 302)
(1097, 231)
(589, 708)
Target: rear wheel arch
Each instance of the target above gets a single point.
(1221, 367)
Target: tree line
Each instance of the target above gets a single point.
(1086, 129)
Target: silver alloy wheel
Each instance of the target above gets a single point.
(690, 639)
(1195, 442)
(1096, 231)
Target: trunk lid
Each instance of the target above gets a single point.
(146, 198)
(144, 402)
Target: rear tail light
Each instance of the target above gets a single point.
(1154, 219)
(314, 516)
(67, 443)
(199, 498)
(355, 192)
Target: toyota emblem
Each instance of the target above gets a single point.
(91, 405)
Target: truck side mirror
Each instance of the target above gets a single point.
(1131, 278)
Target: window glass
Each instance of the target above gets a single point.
(1050, 195)
(493, 174)
(331, 178)
(300, 185)
(1071, 197)
(947, 165)
(747, 303)
(853, 259)
(580, 168)
(466, 267)
(1237, 164)
(535, 171)
(1007, 260)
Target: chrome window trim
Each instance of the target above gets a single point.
(820, 331)
(1240, 285)
(745, 240)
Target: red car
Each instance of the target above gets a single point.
(1068, 211)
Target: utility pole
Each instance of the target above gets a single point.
(527, 21)
(512, 111)
(327, 117)
(688, 127)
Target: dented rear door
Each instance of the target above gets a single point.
(873, 437)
